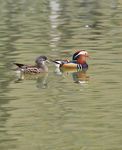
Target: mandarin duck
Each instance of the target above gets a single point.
(78, 61)
(39, 67)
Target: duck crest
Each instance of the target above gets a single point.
(75, 56)
(79, 53)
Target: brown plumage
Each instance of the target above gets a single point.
(39, 67)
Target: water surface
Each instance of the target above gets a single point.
(69, 111)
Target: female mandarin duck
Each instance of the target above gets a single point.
(78, 61)
(39, 67)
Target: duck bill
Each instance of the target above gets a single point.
(89, 56)
(47, 61)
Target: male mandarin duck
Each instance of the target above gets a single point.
(78, 61)
(39, 67)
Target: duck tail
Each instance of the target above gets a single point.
(56, 61)
(19, 65)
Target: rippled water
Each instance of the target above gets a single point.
(69, 111)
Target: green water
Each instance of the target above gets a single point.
(55, 111)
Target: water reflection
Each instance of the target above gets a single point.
(41, 79)
(54, 20)
(78, 76)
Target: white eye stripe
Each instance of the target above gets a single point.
(82, 52)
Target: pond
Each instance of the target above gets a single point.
(55, 110)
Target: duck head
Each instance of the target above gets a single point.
(80, 56)
(41, 60)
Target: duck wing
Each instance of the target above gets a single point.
(24, 66)
(60, 61)
(31, 70)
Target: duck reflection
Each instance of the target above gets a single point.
(41, 79)
(79, 76)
